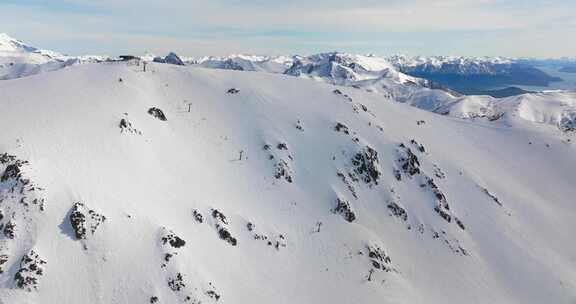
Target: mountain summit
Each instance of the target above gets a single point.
(9, 44)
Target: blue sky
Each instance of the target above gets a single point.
(532, 28)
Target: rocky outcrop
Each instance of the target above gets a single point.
(31, 270)
(157, 113)
(221, 225)
(344, 209)
(84, 221)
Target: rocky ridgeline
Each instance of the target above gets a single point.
(362, 166)
(409, 167)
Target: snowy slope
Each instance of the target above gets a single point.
(271, 189)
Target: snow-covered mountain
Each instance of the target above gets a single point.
(253, 63)
(381, 75)
(370, 73)
(185, 185)
(469, 74)
(18, 59)
(496, 76)
(367, 72)
(451, 64)
(551, 108)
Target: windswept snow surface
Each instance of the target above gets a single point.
(184, 184)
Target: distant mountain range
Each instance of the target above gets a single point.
(495, 76)
(464, 74)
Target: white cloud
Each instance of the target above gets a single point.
(216, 26)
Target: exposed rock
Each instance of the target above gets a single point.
(225, 235)
(299, 126)
(28, 275)
(342, 128)
(156, 112)
(490, 195)
(176, 283)
(212, 294)
(12, 171)
(126, 127)
(276, 242)
(397, 211)
(3, 260)
(221, 224)
(343, 208)
(568, 122)
(438, 172)
(83, 220)
(378, 259)
(283, 171)
(9, 229)
(418, 146)
(169, 237)
(197, 216)
(409, 163)
(442, 207)
(366, 165)
(459, 223)
(219, 216)
(281, 159)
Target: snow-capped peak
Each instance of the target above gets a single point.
(9, 44)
